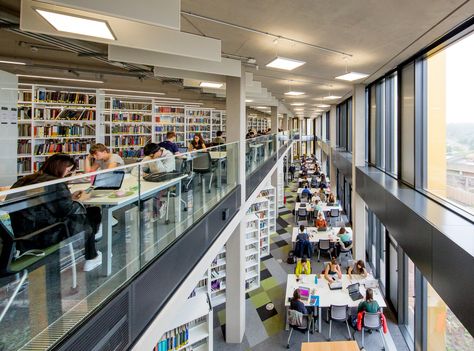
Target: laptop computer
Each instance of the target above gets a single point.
(371, 283)
(182, 150)
(322, 229)
(104, 183)
(336, 285)
(304, 293)
(354, 292)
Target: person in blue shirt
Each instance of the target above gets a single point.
(169, 144)
(296, 304)
(306, 192)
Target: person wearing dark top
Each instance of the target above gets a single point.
(197, 143)
(219, 139)
(296, 304)
(170, 144)
(61, 206)
(302, 235)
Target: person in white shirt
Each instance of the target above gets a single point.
(164, 160)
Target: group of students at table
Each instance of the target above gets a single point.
(343, 242)
(67, 207)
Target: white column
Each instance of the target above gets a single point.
(284, 124)
(358, 159)
(332, 138)
(274, 179)
(235, 253)
(301, 130)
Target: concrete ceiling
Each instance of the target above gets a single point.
(376, 34)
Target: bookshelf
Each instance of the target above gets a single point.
(190, 328)
(218, 122)
(252, 252)
(270, 193)
(257, 122)
(261, 208)
(281, 186)
(198, 120)
(170, 119)
(54, 119)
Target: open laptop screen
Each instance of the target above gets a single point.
(109, 181)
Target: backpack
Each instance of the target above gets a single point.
(291, 257)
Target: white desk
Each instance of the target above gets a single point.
(315, 236)
(111, 204)
(329, 297)
(313, 190)
(220, 157)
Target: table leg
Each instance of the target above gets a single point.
(177, 204)
(287, 327)
(219, 173)
(320, 317)
(107, 241)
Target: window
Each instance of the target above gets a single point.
(407, 120)
(444, 330)
(410, 299)
(449, 120)
(344, 125)
(328, 135)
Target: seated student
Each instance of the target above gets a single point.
(303, 245)
(61, 207)
(369, 305)
(219, 140)
(332, 270)
(101, 158)
(331, 199)
(323, 183)
(306, 192)
(296, 304)
(320, 221)
(303, 266)
(317, 207)
(170, 143)
(197, 143)
(302, 234)
(164, 160)
(322, 195)
(345, 238)
(358, 268)
(315, 198)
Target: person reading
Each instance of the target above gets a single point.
(100, 158)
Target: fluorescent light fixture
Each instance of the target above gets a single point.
(299, 109)
(331, 97)
(77, 25)
(12, 62)
(297, 104)
(264, 107)
(323, 105)
(248, 100)
(60, 78)
(352, 76)
(211, 85)
(135, 91)
(294, 93)
(285, 63)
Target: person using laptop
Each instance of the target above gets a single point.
(345, 240)
(303, 266)
(320, 221)
(296, 304)
(358, 268)
(62, 206)
(306, 192)
(323, 183)
(369, 305)
(331, 199)
(101, 158)
(170, 143)
(197, 143)
(322, 195)
(163, 160)
(332, 271)
(219, 139)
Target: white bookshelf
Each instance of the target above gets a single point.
(218, 122)
(252, 252)
(281, 186)
(198, 120)
(257, 122)
(170, 119)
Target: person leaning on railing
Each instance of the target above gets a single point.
(62, 206)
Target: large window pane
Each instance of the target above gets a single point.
(408, 124)
(410, 318)
(372, 131)
(444, 330)
(450, 124)
(380, 124)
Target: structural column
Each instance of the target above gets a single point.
(332, 137)
(358, 159)
(284, 124)
(235, 253)
(274, 179)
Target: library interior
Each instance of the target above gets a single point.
(180, 175)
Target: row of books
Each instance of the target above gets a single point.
(129, 153)
(169, 119)
(63, 97)
(121, 129)
(63, 131)
(24, 130)
(57, 114)
(198, 113)
(130, 140)
(159, 129)
(24, 147)
(174, 339)
(198, 120)
(127, 105)
(66, 147)
(23, 165)
(169, 109)
(24, 112)
(130, 117)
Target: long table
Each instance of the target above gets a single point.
(140, 191)
(315, 235)
(324, 207)
(330, 346)
(329, 297)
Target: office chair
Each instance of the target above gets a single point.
(339, 313)
(334, 213)
(202, 165)
(324, 246)
(372, 321)
(302, 213)
(304, 328)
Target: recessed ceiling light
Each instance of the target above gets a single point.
(299, 109)
(77, 25)
(135, 91)
(60, 78)
(248, 100)
(297, 104)
(323, 105)
(285, 63)
(352, 76)
(211, 85)
(294, 93)
(12, 62)
(331, 97)
(264, 107)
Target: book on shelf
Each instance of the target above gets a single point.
(66, 147)
(24, 130)
(63, 97)
(130, 140)
(24, 147)
(130, 117)
(64, 131)
(65, 114)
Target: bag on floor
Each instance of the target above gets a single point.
(291, 257)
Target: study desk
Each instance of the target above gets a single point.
(315, 235)
(330, 346)
(313, 190)
(111, 204)
(219, 157)
(324, 207)
(328, 297)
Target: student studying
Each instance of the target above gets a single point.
(101, 158)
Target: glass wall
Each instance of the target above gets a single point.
(449, 144)
(344, 125)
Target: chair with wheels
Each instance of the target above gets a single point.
(339, 313)
(302, 213)
(372, 321)
(334, 213)
(324, 246)
(304, 327)
(202, 164)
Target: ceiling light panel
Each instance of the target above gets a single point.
(284, 63)
(331, 97)
(12, 62)
(297, 104)
(211, 85)
(294, 93)
(323, 105)
(77, 25)
(352, 76)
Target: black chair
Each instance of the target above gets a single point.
(202, 164)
